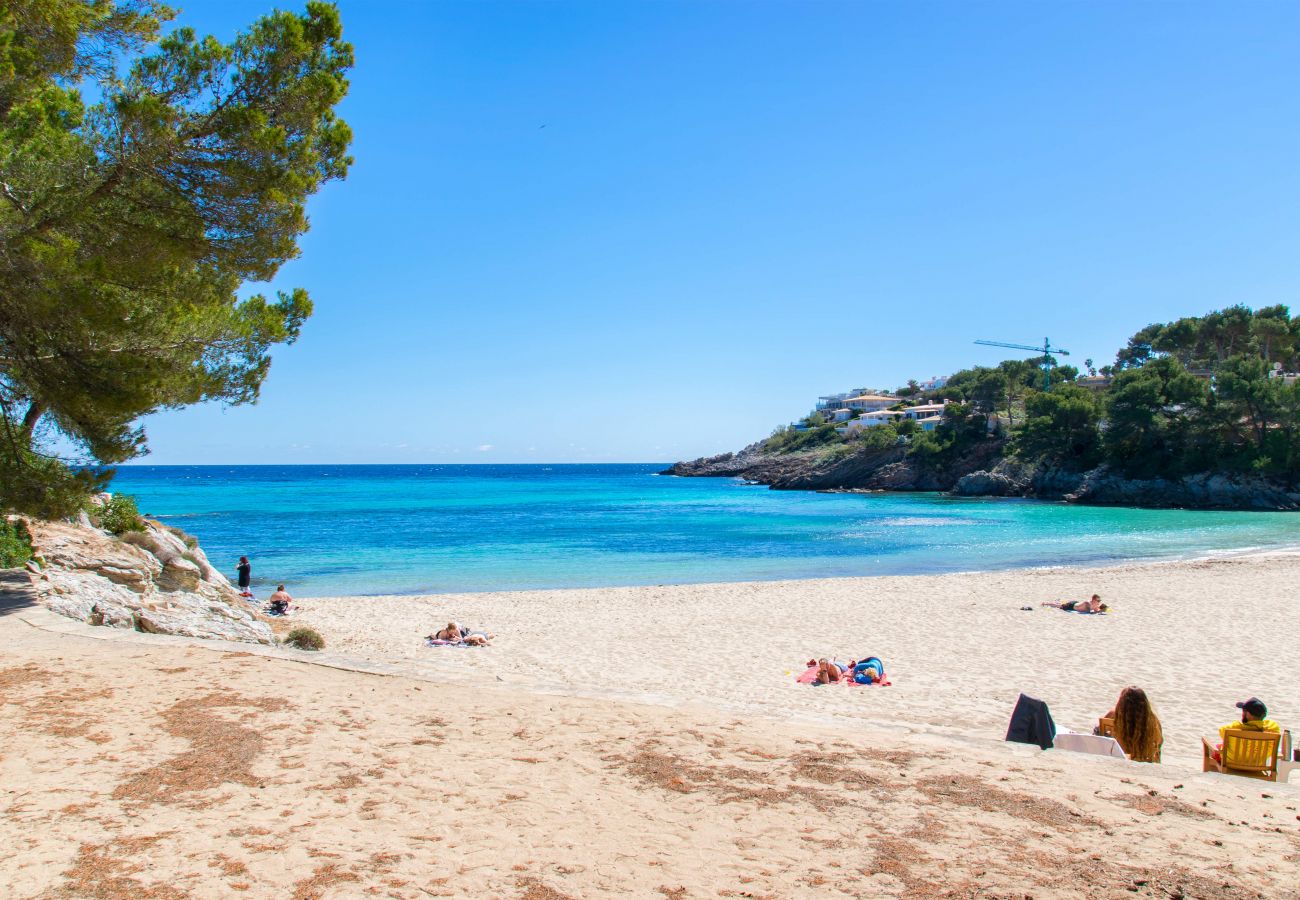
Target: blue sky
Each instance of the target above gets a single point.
(625, 231)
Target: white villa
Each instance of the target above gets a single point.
(927, 415)
(871, 402)
(864, 408)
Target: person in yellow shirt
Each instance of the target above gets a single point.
(1254, 717)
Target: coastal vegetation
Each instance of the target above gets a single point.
(1208, 396)
(15, 545)
(119, 515)
(144, 179)
(304, 638)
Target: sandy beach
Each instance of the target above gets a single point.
(1197, 635)
(648, 742)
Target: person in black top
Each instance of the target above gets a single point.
(245, 576)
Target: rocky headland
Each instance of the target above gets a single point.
(157, 580)
(984, 471)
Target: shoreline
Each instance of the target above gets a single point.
(1288, 549)
(959, 648)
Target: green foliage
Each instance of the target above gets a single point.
(15, 546)
(1156, 417)
(129, 225)
(790, 440)
(44, 487)
(305, 638)
(1185, 397)
(1206, 342)
(1061, 427)
(119, 514)
(877, 438)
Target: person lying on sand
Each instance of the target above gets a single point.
(865, 674)
(1080, 606)
(457, 635)
(450, 633)
(828, 671)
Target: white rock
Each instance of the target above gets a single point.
(164, 545)
(93, 576)
(179, 574)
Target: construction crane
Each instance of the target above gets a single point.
(1049, 354)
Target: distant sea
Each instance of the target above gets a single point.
(354, 530)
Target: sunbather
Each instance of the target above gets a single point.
(828, 672)
(1093, 605)
(455, 634)
(280, 601)
(477, 638)
(450, 633)
(870, 671)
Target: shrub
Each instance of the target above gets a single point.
(789, 440)
(119, 514)
(189, 540)
(305, 639)
(15, 548)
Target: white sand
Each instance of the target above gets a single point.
(139, 766)
(1196, 635)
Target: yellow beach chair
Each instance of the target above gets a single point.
(1252, 754)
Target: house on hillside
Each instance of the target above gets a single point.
(924, 411)
(831, 402)
(871, 402)
(933, 384)
(872, 419)
(927, 415)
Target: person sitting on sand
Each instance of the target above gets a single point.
(1137, 728)
(1091, 606)
(280, 601)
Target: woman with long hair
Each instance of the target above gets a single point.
(1137, 728)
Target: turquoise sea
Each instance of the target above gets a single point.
(350, 530)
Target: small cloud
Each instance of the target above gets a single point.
(402, 446)
(484, 448)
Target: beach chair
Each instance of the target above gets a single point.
(1252, 754)
(1106, 727)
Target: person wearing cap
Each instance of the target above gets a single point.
(1254, 717)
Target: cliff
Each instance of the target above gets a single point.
(157, 580)
(985, 471)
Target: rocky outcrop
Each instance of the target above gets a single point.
(986, 472)
(1006, 478)
(840, 469)
(157, 580)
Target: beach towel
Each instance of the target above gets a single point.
(809, 676)
(439, 642)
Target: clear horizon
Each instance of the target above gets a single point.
(589, 232)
